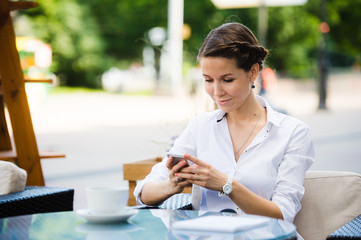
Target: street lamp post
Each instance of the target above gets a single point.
(175, 26)
(262, 23)
(157, 36)
(323, 61)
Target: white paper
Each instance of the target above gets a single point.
(227, 224)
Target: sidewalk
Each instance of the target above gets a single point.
(100, 132)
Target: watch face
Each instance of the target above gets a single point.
(227, 189)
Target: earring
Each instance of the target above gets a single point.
(253, 86)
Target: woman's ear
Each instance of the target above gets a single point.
(254, 72)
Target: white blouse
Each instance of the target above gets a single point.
(273, 166)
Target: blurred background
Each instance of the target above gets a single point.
(126, 79)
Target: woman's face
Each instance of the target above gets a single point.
(226, 84)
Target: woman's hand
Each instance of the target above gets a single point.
(202, 174)
(177, 183)
(205, 175)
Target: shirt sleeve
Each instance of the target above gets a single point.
(298, 157)
(185, 144)
(159, 173)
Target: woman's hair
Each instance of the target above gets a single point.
(234, 40)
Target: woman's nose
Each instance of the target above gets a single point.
(218, 89)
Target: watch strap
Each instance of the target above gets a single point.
(229, 183)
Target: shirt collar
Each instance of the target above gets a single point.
(219, 115)
(272, 115)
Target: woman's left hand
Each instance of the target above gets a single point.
(203, 174)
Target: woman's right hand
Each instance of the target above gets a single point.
(177, 184)
(156, 192)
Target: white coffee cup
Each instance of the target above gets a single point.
(107, 200)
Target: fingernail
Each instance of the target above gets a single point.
(176, 174)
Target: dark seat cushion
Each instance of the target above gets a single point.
(351, 230)
(36, 200)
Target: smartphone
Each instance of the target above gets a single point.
(176, 158)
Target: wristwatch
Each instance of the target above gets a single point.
(227, 188)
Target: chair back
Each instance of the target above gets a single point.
(331, 200)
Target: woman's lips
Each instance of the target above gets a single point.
(222, 102)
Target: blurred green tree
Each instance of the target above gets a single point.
(292, 37)
(123, 25)
(344, 37)
(71, 29)
(88, 37)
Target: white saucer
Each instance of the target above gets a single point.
(106, 218)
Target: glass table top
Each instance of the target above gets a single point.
(146, 224)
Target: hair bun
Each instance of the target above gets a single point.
(256, 53)
(234, 40)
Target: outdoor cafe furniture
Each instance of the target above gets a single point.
(22, 147)
(36, 200)
(146, 224)
(332, 199)
(18, 199)
(138, 171)
(351, 230)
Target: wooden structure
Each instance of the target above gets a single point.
(22, 149)
(138, 171)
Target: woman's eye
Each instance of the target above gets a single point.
(228, 80)
(208, 80)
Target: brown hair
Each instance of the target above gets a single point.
(234, 40)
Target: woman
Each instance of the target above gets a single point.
(243, 156)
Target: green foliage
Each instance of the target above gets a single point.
(194, 15)
(67, 90)
(89, 37)
(344, 38)
(71, 30)
(345, 33)
(123, 24)
(292, 36)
